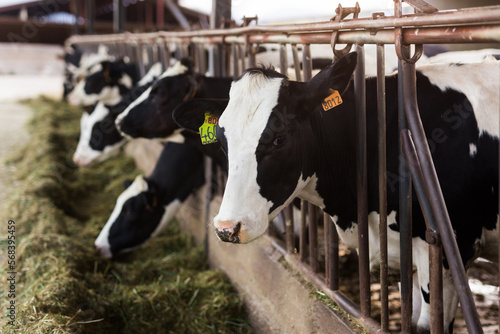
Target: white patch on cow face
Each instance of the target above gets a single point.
(472, 150)
(102, 242)
(251, 100)
(173, 70)
(84, 154)
(153, 73)
(126, 81)
(480, 82)
(108, 95)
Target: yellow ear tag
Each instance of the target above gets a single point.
(208, 128)
(332, 101)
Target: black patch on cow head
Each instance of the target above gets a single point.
(104, 132)
(269, 72)
(152, 118)
(110, 76)
(139, 217)
(191, 114)
(337, 76)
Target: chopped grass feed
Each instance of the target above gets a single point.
(62, 285)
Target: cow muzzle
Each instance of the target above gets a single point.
(228, 232)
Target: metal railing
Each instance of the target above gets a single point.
(237, 46)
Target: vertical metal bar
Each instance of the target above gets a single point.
(436, 288)
(326, 231)
(140, 60)
(382, 184)
(362, 184)
(405, 223)
(334, 256)
(290, 237)
(217, 63)
(296, 62)
(76, 26)
(307, 62)
(165, 54)
(90, 10)
(435, 249)
(241, 52)
(251, 56)
(208, 197)
(283, 59)
(437, 202)
(160, 14)
(118, 16)
(313, 238)
(234, 54)
(303, 230)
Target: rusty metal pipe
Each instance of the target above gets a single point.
(405, 221)
(382, 184)
(435, 249)
(290, 237)
(303, 227)
(362, 183)
(437, 201)
(307, 62)
(313, 238)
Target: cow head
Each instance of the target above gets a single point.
(150, 116)
(99, 138)
(105, 82)
(268, 135)
(137, 217)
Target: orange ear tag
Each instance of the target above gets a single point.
(208, 128)
(332, 101)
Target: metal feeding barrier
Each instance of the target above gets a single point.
(232, 49)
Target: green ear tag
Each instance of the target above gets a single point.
(208, 128)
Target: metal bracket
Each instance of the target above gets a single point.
(403, 50)
(342, 13)
(248, 20)
(432, 238)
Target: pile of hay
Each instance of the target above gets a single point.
(62, 286)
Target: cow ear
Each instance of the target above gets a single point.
(191, 114)
(127, 183)
(188, 63)
(337, 76)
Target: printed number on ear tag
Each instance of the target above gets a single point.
(208, 128)
(332, 101)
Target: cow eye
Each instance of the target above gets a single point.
(278, 141)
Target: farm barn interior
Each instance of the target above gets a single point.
(134, 200)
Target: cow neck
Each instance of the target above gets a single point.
(178, 171)
(334, 159)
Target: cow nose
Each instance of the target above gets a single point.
(228, 234)
(103, 251)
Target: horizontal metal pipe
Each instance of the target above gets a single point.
(479, 15)
(485, 33)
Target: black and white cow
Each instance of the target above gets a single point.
(281, 144)
(105, 82)
(148, 204)
(150, 116)
(99, 138)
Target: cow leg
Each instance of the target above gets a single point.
(416, 300)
